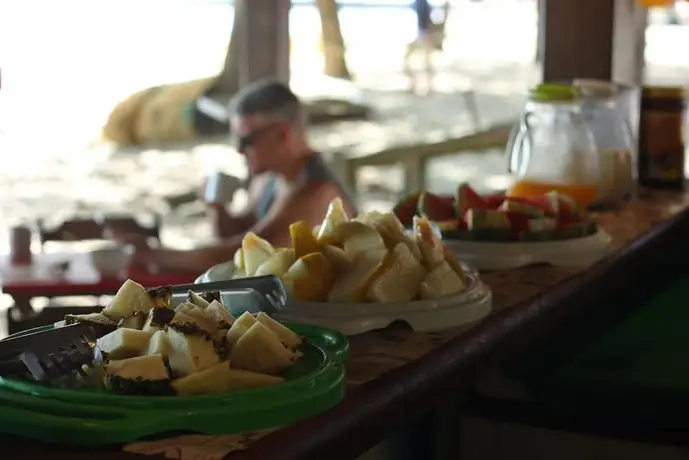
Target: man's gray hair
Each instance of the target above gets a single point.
(268, 98)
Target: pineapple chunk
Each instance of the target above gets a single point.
(130, 298)
(219, 314)
(239, 327)
(214, 379)
(285, 334)
(124, 343)
(195, 299)
(191, 350)
(159, 344)
(260, 350)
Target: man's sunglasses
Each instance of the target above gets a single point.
(249, 139)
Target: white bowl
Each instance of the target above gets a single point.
(112, 260)
(466, 307)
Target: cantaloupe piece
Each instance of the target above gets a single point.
(358, 238)
(303, 241)
(353, 284)
(400, 280)
(256, 250)
(277, 264)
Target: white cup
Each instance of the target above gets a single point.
(220, 188)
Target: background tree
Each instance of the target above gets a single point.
(333, 43)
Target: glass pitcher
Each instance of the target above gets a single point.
(553, 148)
(614, 138)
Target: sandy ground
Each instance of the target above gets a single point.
(51, 170)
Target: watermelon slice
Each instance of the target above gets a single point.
(563, 206)
(467, 199)
(494, 201)
(436, 208)
(405, 209)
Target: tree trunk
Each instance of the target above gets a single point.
(333, 43)
(228, 80)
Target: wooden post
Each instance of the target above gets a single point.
(601, 39)
(265, 45)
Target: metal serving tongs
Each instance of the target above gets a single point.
(260, 293)
(52, 353)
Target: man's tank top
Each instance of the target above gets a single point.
(315, 171)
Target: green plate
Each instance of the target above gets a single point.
(312, 385)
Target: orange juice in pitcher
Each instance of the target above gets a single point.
(584, 194)
(552, 147)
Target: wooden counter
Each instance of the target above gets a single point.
(395, 374)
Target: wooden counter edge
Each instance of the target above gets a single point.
(375, 409)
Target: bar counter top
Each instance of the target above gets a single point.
(395, 374)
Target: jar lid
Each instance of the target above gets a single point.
(553, 92)
(665, 92)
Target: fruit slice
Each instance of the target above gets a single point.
(358, 238)
(277, 264)
(209, 381)
(520, 207)
(285, 334)
(256, 250)
(564, 207)
(494, 201)
(124, 343)
(436, 208)
(303, 241)
(334, 217)
(260, 350)
(339, 259)
(246, 380)
(353, 284)
(406, 208)
(238, 260)
(239, 327)
(430, 245)
(400, 278)
(442, 281)
(455, 265)
(191, 350)
(309, 278)
(197, 300)
(159, 344)
(393, 232)
(130, 298)
(219, 314)
(466, 198)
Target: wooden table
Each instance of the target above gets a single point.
(396, 375)
(41, 279)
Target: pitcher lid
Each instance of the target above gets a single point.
(553, 92)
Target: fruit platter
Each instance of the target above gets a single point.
(193, 367)
(363, 273)
(499, 231)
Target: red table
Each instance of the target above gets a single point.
(40, 279)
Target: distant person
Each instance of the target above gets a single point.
(423, 18)
(289, 180)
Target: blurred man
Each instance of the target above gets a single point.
(290, 182)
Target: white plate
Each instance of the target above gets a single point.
(467, 307)
(575, 252)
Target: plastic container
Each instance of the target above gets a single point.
(575, 252)
(312, 385)
(467, 307)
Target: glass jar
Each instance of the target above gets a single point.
(553, 148)
(661, 137)
(614, 137)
